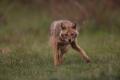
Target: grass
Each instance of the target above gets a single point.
(29, 56)
(33, 60)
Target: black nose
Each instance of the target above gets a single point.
(69, 40)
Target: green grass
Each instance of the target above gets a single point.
(32, 60)
(30, 57)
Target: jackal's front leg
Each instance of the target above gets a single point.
(56, 54)
(62, 51)
(81, 51)
(53, 43)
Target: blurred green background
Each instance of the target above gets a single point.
(25, 53)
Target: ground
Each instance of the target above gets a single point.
(28, 55)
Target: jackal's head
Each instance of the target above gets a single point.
(68, 32)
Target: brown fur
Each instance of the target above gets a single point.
(63, 33)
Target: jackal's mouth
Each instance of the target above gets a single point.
(65, 40)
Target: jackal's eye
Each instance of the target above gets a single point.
(72, 34)
(66, 34)
(63, 28)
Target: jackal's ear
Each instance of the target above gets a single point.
(62, 26)
(74, 26)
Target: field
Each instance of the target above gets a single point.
(26, 54)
